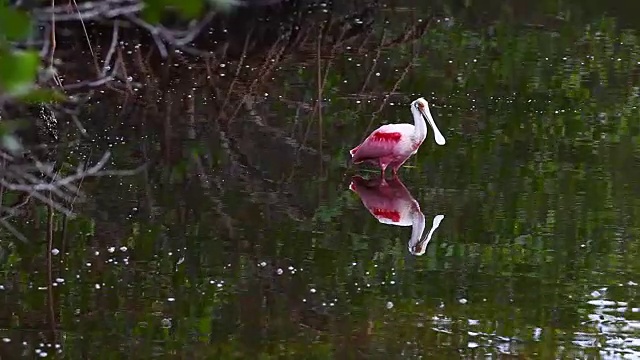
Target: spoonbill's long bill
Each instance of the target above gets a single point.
(390, 202)
(392, 144)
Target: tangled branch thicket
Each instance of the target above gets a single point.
(123, 45)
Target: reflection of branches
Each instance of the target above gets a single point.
(89, 10)
(415, 31)
(108, 72)
(43, 182)
(108, 9)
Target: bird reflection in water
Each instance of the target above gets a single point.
(390, 202)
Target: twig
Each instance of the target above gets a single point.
(92, 171)
(17, 175)
(52, 317)
(56, 78)
(90, 10)
(13, 231)
(123, 66)
(317, 108)
(195, 30)
(386, 97)
(78, 124)
(265, 70)
(162, 35)
(86, 34)
(112, 48)
(373, 67)
(46, 41)
(155, 33)
(25, 180)
(91, 84)
(320, 86)
(235, 77)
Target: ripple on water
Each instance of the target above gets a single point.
(611, 329)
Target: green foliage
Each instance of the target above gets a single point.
(40, 95)
(19, 68)
(15, 25)
(7, 138)
(156, 9)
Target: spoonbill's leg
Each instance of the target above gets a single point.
(383, 168)
(399, 163)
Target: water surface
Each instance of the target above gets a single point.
(243, 240)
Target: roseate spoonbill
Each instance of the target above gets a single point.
(392, 144)
(390, 202)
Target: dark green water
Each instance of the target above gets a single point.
(239, 242)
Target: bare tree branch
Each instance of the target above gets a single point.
(42, 181)
(90, 10)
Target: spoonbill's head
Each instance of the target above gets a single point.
(420, 103)
(423, 109)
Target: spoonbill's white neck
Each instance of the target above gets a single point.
(420, 111)
(420, 132)
(417, 229)
(418, 244)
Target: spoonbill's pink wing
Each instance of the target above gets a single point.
(379, 144)
(385, 204)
